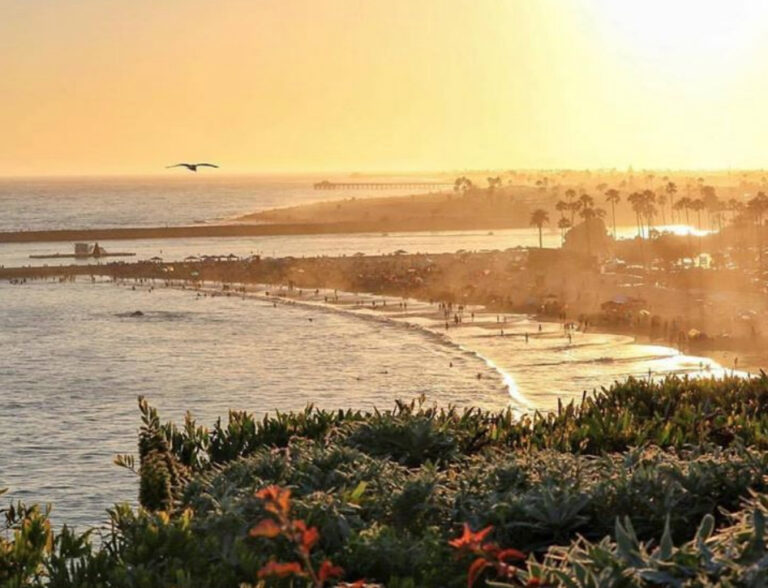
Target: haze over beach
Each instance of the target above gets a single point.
(433, 292)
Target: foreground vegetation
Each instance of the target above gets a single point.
(642, 484)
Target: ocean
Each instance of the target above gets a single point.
(74, 359)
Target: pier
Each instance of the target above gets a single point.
(326, 185)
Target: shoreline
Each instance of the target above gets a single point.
(358, 306)
(420, 277)
(498, 345)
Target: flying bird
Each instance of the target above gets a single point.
(192, 166)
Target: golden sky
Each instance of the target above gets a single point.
(108, 86)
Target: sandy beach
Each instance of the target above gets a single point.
(492, 310)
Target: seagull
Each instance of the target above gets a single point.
(192, 166)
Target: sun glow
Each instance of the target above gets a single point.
(685, 35)
(297, 85)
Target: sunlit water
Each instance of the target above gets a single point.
(73, 363)
(73, 359)
(178, 198)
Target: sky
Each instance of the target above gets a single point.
(262, 86)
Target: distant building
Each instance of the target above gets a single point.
(88, 250)
(83, 249)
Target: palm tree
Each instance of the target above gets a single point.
(662, 200)
(757, 207)
(635, 200)
(493, 183)
(585, 201)
(570, 194)
(612, 196)
(734, 207)
(588, 213)
(684, 203)
(462, 184)
(538, 218)
(650, 211)
(671, 190)
(648, 208)
(563, 224)
(698, 205)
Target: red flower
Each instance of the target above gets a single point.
(469, 540)
(328, 570)
(309, 538)
(278, 499)
(266, 528)
(281, 569)
(533, 583)
(305, 537)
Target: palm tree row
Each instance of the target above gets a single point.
(644, 206)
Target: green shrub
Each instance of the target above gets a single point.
(387, 491)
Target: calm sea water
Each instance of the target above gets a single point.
(184, 199)
(73, 361)
(180, 198)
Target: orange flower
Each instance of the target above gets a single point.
(281, 569)
(309, 538)
(266, 528)
(278, 499)
(305, 537)
(328, 570)
(469, 540)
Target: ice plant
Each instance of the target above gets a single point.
(277, 501)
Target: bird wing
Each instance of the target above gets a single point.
(177, 165)
(206, 165)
